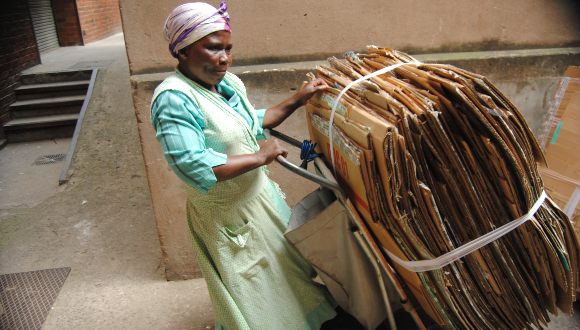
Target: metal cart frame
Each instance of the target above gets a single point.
(362, 235)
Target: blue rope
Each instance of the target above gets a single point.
(307, 153)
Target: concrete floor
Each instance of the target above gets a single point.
(101, 223)
(19, 168)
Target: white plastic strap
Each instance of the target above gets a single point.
(572, 203)
(467, 248)
(345, 89)
(574, 199)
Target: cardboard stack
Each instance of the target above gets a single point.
(433, 157)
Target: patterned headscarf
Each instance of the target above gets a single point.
(190, 22)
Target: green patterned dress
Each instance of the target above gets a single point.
(256, 279)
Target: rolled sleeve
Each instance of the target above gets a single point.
(179, 128)
(260, 113)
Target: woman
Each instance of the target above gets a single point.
(209, 130)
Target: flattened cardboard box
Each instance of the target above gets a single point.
(562, 176)
(356, 178)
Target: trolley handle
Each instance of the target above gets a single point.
(322, 181)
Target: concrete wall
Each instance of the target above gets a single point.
(18, 50)
(528, 78)
(167, 192)
(291, 31)
(99, 18)
(283, 31)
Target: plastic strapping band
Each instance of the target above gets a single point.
(558, 176)
(345, 89)
(572, 203)
(467, 248)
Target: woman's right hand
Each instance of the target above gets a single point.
(240, 164)
(270, 149)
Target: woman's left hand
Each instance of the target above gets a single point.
(309, 89)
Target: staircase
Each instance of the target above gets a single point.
(47, 105)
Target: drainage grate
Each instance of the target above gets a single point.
(26, 298)
(49, 159)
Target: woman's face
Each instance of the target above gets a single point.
(207, 60)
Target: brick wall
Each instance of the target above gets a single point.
(18, 50)
(98, 18)
(67, 22)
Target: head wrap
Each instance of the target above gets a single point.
(190, 22)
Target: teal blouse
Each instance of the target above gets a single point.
(179, 124)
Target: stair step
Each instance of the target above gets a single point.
(48, 77)
(36, 112)
(56, 89)
(46, 106)
(40, 128)
(55, 85)
(48, 102)
(41, 121)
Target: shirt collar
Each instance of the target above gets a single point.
(225, 90)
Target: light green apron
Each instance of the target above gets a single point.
(256, 279)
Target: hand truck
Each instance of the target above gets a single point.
(314, 204)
